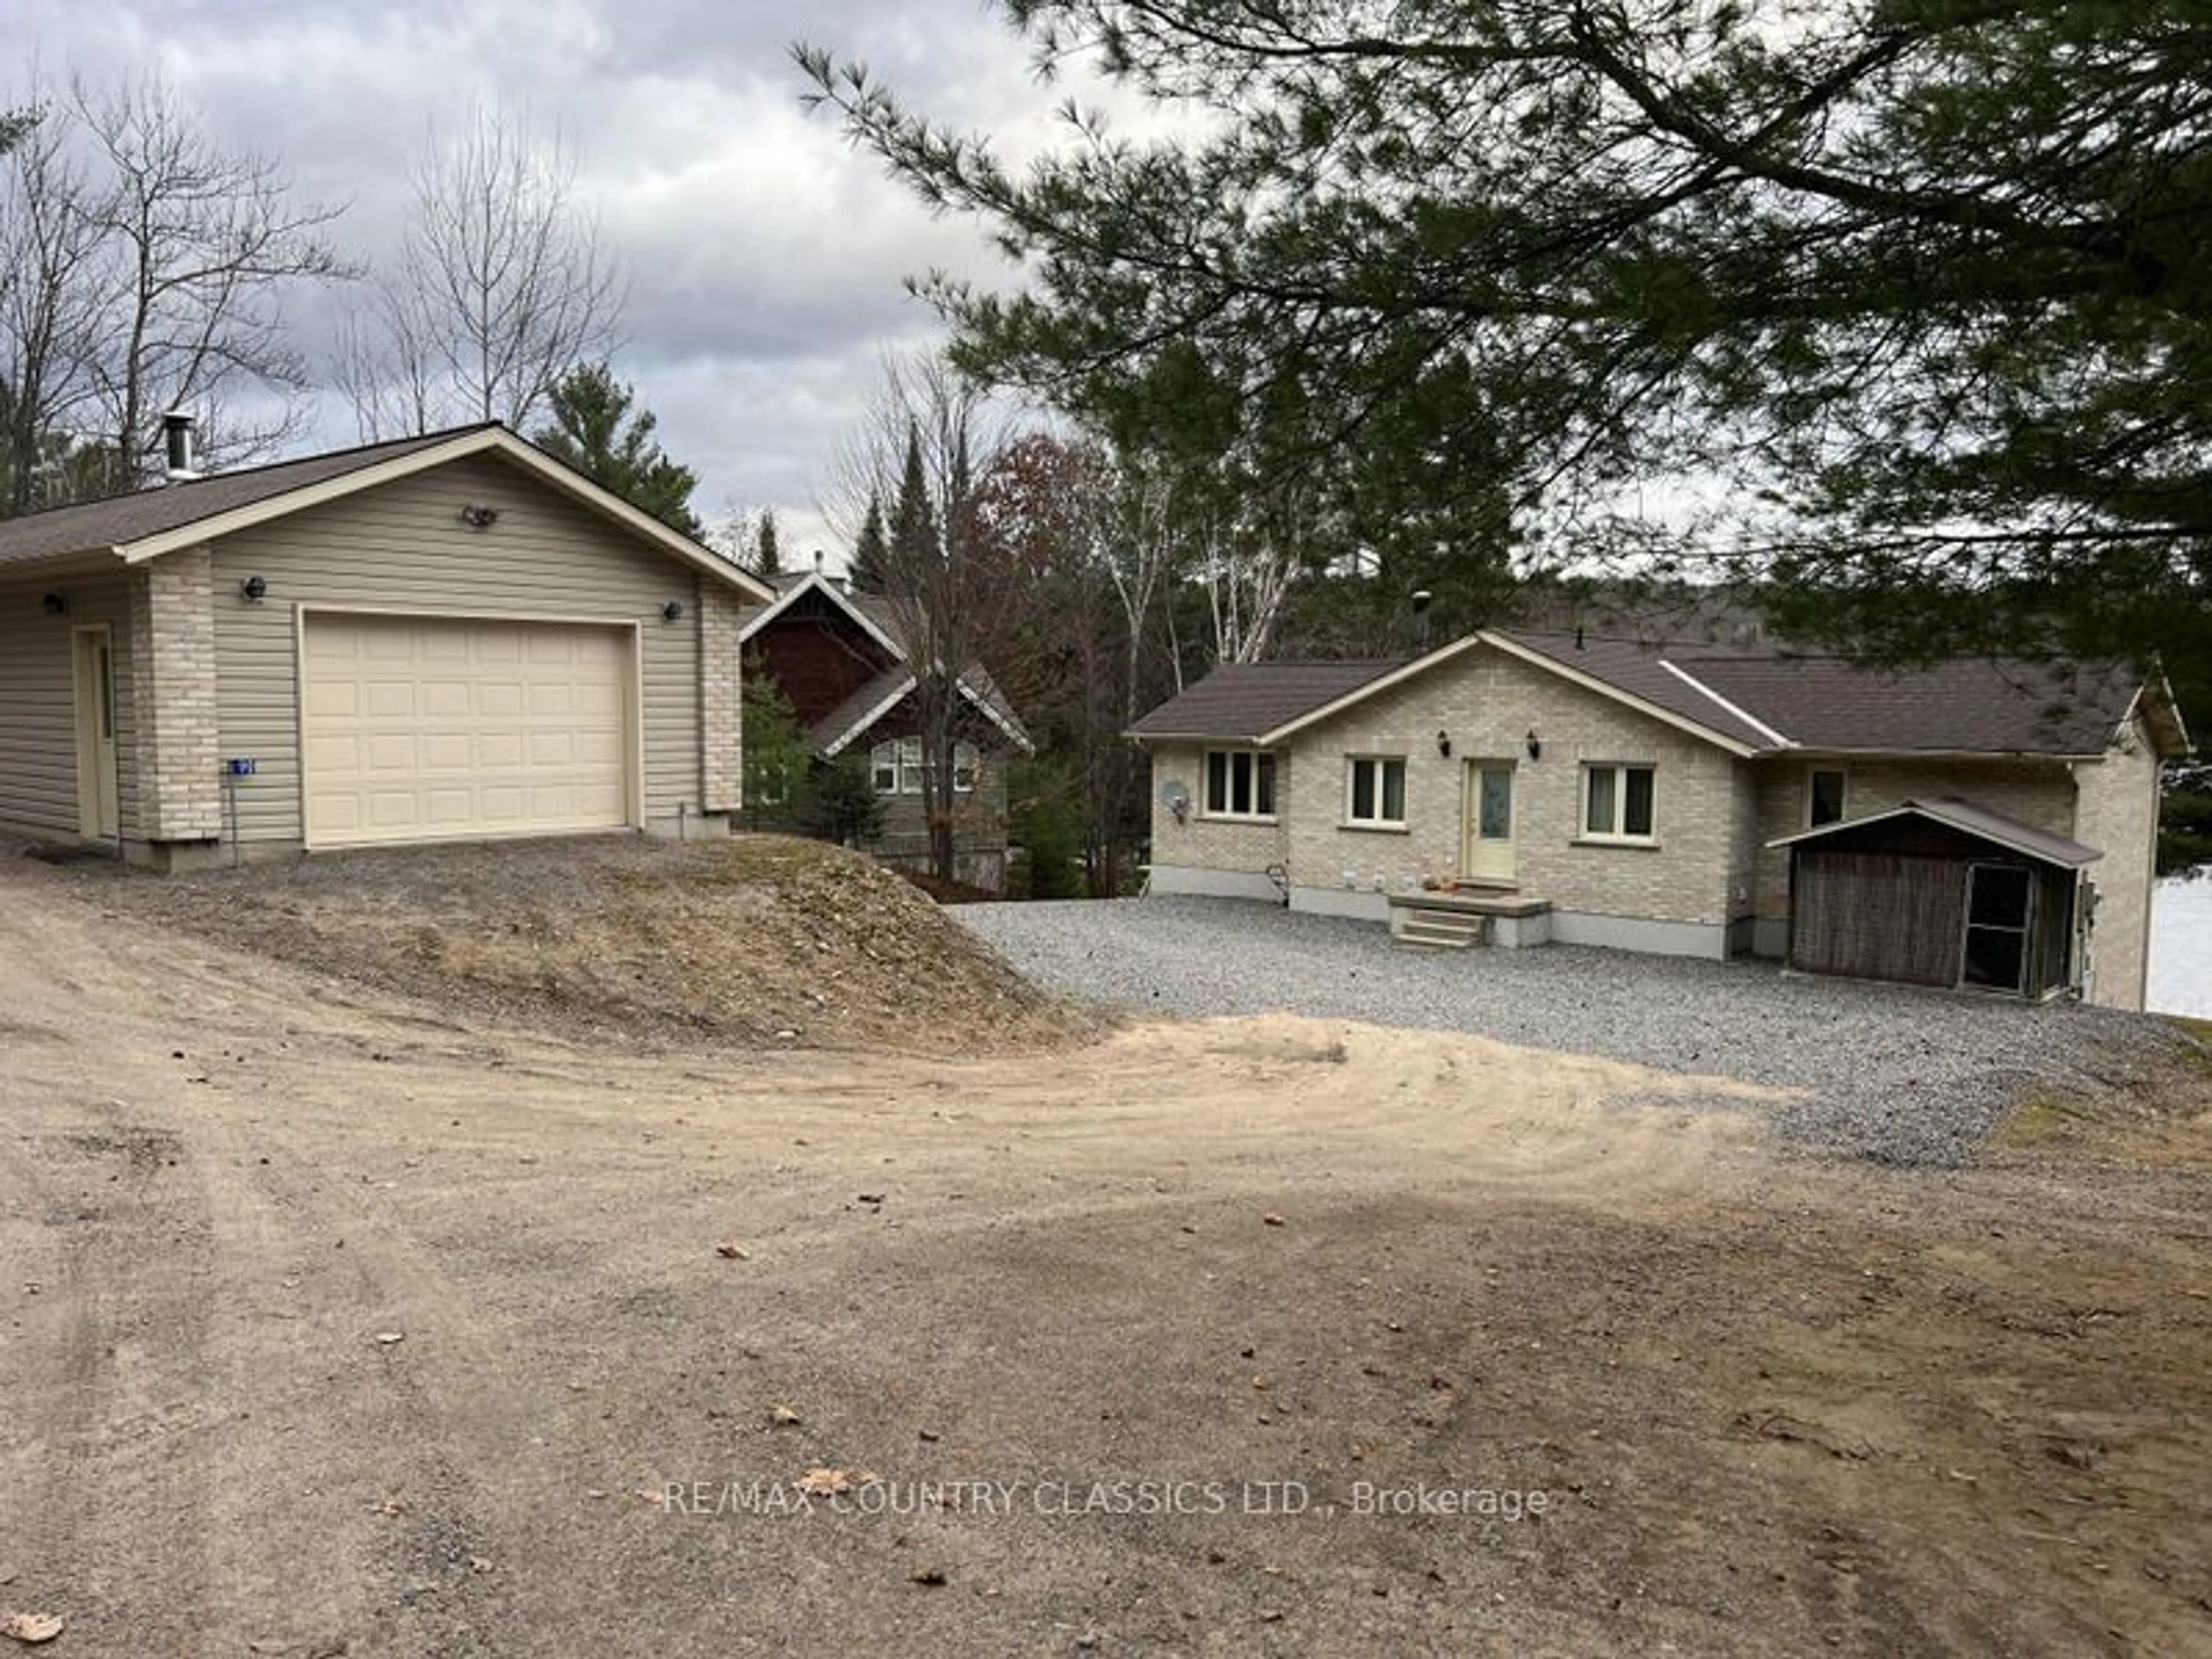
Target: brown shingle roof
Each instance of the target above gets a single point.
(1977, 705)
(1770, 699)
(845, 722)
(1239, 702)
(118, 520)
(1640, 669)
(1959, 814)
(1758, 699)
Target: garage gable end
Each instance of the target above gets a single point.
(406, 675)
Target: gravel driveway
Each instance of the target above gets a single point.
(1895, 1075)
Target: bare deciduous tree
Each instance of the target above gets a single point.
(926, 438)
(500, 288)
(146, 267)
(50, 305)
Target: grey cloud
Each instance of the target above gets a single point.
(766, 258)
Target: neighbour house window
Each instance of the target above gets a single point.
(1240, 783)
(1376, 786)
(1824, 797)
(1617, 802)
(898, 767)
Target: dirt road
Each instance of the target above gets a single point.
(338, 1324)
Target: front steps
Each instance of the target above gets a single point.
(1457, 920)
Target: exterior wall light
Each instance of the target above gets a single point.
(1535, 745)
(1443, 745)
(477, 516)
(255, 588)
(55, 604)
(673, 611)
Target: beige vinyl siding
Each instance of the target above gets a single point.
(37, 688)
(402, 547)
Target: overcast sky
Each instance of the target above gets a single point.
(766, 258)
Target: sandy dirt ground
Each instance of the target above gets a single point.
(336, 1323)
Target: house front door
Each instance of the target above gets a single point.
(96, 790)
(1487, 855)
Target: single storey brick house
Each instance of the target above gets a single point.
(1974, 824)
(452, 637)
(841, 660)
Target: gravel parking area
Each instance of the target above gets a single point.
(1893, 1075)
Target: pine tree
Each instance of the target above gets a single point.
(913, 546)
(768, 558)
(871, 553)
(1921, 283)
(598, 429)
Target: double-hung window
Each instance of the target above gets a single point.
(1619, 803)
(1375, 791)
(898, 767)
(1240, 783)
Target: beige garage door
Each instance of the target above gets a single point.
(427, 729)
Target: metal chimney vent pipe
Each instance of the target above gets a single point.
(177, 445)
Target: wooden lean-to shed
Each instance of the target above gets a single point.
(1941, 893)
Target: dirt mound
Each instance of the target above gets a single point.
(757, 939)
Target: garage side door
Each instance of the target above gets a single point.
(430, 729)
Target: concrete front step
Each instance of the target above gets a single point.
(1463, 918)
(1453, 933)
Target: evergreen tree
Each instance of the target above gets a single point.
(1923, 282)
(597, 428)
(768, 558)
(871, 553)
(914, 545)
(777, 762)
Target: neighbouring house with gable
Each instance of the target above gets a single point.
(1972, 824)
(446, 637)
(841, 660)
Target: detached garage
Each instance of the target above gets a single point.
(419, 728)
(454, 637)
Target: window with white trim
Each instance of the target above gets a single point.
(1823, 796)
(1240, 783)
(898, 767)
(1619, 802)
(1375, 791)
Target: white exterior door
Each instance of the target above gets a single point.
(1488, 854)
(417, 728)
(98, 815)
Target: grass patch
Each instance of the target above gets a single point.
(2042, 1119)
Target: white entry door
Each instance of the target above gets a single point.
(1488, 854)
(97, 793)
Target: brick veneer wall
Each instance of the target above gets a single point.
(1488, 703)
(2117, 809)
(1200, 842)
(171, 685)
(722, 719)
